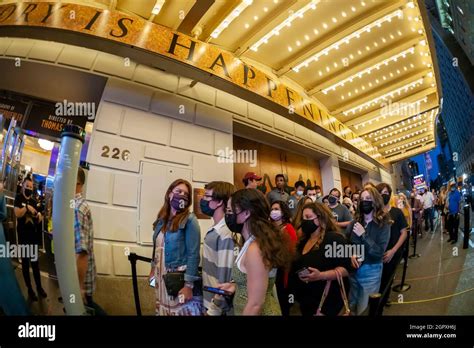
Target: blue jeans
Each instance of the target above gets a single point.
(364, 282)
(428, 214)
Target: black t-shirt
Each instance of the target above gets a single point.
(27, 222)
(399, 223)
(309, 295)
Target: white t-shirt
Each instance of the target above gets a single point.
(428, 200)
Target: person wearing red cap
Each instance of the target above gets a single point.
(251, 180)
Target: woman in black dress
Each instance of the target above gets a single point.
(320, 251)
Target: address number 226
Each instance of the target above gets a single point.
(116, 153)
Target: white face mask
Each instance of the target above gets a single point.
(299, 193)
(313, 198)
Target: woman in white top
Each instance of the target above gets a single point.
(265, 249)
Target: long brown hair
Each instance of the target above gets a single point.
(165, 211)
(380, 217)
(326, 223)
(299, 212)
(274, 243)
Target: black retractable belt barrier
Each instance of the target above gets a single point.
(132, 257)
(467, 226)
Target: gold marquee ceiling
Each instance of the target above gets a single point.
(369, 63)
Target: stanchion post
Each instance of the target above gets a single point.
(415, 239)
(374, 303)
(133, 262)
(402, 287)
(467, 226)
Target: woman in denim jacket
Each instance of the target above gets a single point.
(176, 247)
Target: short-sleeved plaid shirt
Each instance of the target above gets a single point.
(84, 237)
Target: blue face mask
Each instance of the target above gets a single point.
(453, 189)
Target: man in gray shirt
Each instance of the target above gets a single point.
(296, 197)
(278, 193)
(340, 212)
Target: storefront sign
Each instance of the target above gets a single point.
(44, 119)
(12, 109)
(137, 32)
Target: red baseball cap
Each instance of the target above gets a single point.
(252, 175)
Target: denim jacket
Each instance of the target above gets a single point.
(182, 247)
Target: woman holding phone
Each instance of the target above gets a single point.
(317, 261)
(265, 248)
(175, 261)
(371, 230)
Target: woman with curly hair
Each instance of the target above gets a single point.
(371, 230)
(265, 249)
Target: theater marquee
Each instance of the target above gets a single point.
(137, 32)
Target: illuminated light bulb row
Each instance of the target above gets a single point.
(286, 23)
(229, 19)
(404, 108)
(397, 125)
(401, 130)
(368, 70)
(414, 118)
(407, 145)
(403, 137)
(356, 34)
(158, 6)
(369, 103)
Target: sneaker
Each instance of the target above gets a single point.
(454, 241)
(449, 240)
(42, 293)
(32, 296)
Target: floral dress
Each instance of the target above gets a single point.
(165, 304)
(271, 305)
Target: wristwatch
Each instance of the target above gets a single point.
(189, 285)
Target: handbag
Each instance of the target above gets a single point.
(346, 310)
(174, 281)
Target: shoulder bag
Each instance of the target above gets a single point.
(346, 310)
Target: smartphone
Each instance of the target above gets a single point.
(303, 272)
(152, 282)
(217, 291)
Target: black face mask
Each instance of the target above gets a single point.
(332, 200)
(386, 198)
(28, 192)
(204, 205)
(366, 207)
(308, 227)
(231, 222)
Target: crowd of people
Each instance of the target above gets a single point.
(265, 253)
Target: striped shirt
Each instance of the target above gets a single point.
(84, 237)
(217, 262)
